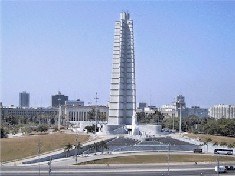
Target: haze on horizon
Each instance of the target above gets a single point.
(183, 48)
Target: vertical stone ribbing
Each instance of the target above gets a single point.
(122, 103)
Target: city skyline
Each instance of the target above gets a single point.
(181, 48)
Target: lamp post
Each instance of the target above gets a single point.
(96, 99)
(180, 122)
(218, 165)
(168, 160)
(39, 151)
(59, 114)
(49, 167)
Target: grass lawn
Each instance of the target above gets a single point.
(218, 139)
(160, 158)
(21, 147)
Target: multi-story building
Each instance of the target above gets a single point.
(197, 111)
(24, 99)
(82, 116)
(179, 106)
(77, 102)
(58, 100)
(222, 111)
(168, 110)
(28, 112)
(142, 105)
(122, 105)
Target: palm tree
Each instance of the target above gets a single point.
(67, 148)
(103, 146)
(78, 146)
(206, 142)
(95, 146)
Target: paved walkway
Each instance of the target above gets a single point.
(92, 139)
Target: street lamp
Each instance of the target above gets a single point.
(180, 121)
(218, 165)
(168, 159)
(39, 151)
(59, 99)
(96, 99)
(49, 168)
(180, 130)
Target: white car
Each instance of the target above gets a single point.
(220, 169)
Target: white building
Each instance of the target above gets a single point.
(168, 110)
(81, 116)
(222, 111)
(122, 105)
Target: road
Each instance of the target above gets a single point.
(113, 170)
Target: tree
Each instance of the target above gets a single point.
(223, 143)
(3, 133)
(103, 146)
(90, 128)
(101, 116)
(91, 114)
(67, 148)
(230, 145)
(154, 118)
(77, 146)
(95, 146)
(206, 142)
(42, 128)
(26, 129)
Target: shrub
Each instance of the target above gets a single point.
(223, 143)
(26, 129)
(3, 133)
(90, 128)
(42, 128)
(230, 145)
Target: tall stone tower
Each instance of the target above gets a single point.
(122, 104)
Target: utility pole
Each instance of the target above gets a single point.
(77, 146)
(39, 151)
(180, 123)
(49, 169)
(59, 114)
(168, 159)
(218, 165)
(96, 99)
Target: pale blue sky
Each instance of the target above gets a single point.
(181, 47)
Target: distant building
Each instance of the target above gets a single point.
(142, 105)
(197, 111)
(82, 116)
(173, 110)
(28, 112)
(58, 100)
(222, 111)
(168, 110)
(24, 99)
(77, 102)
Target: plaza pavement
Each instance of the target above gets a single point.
(94, 138)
